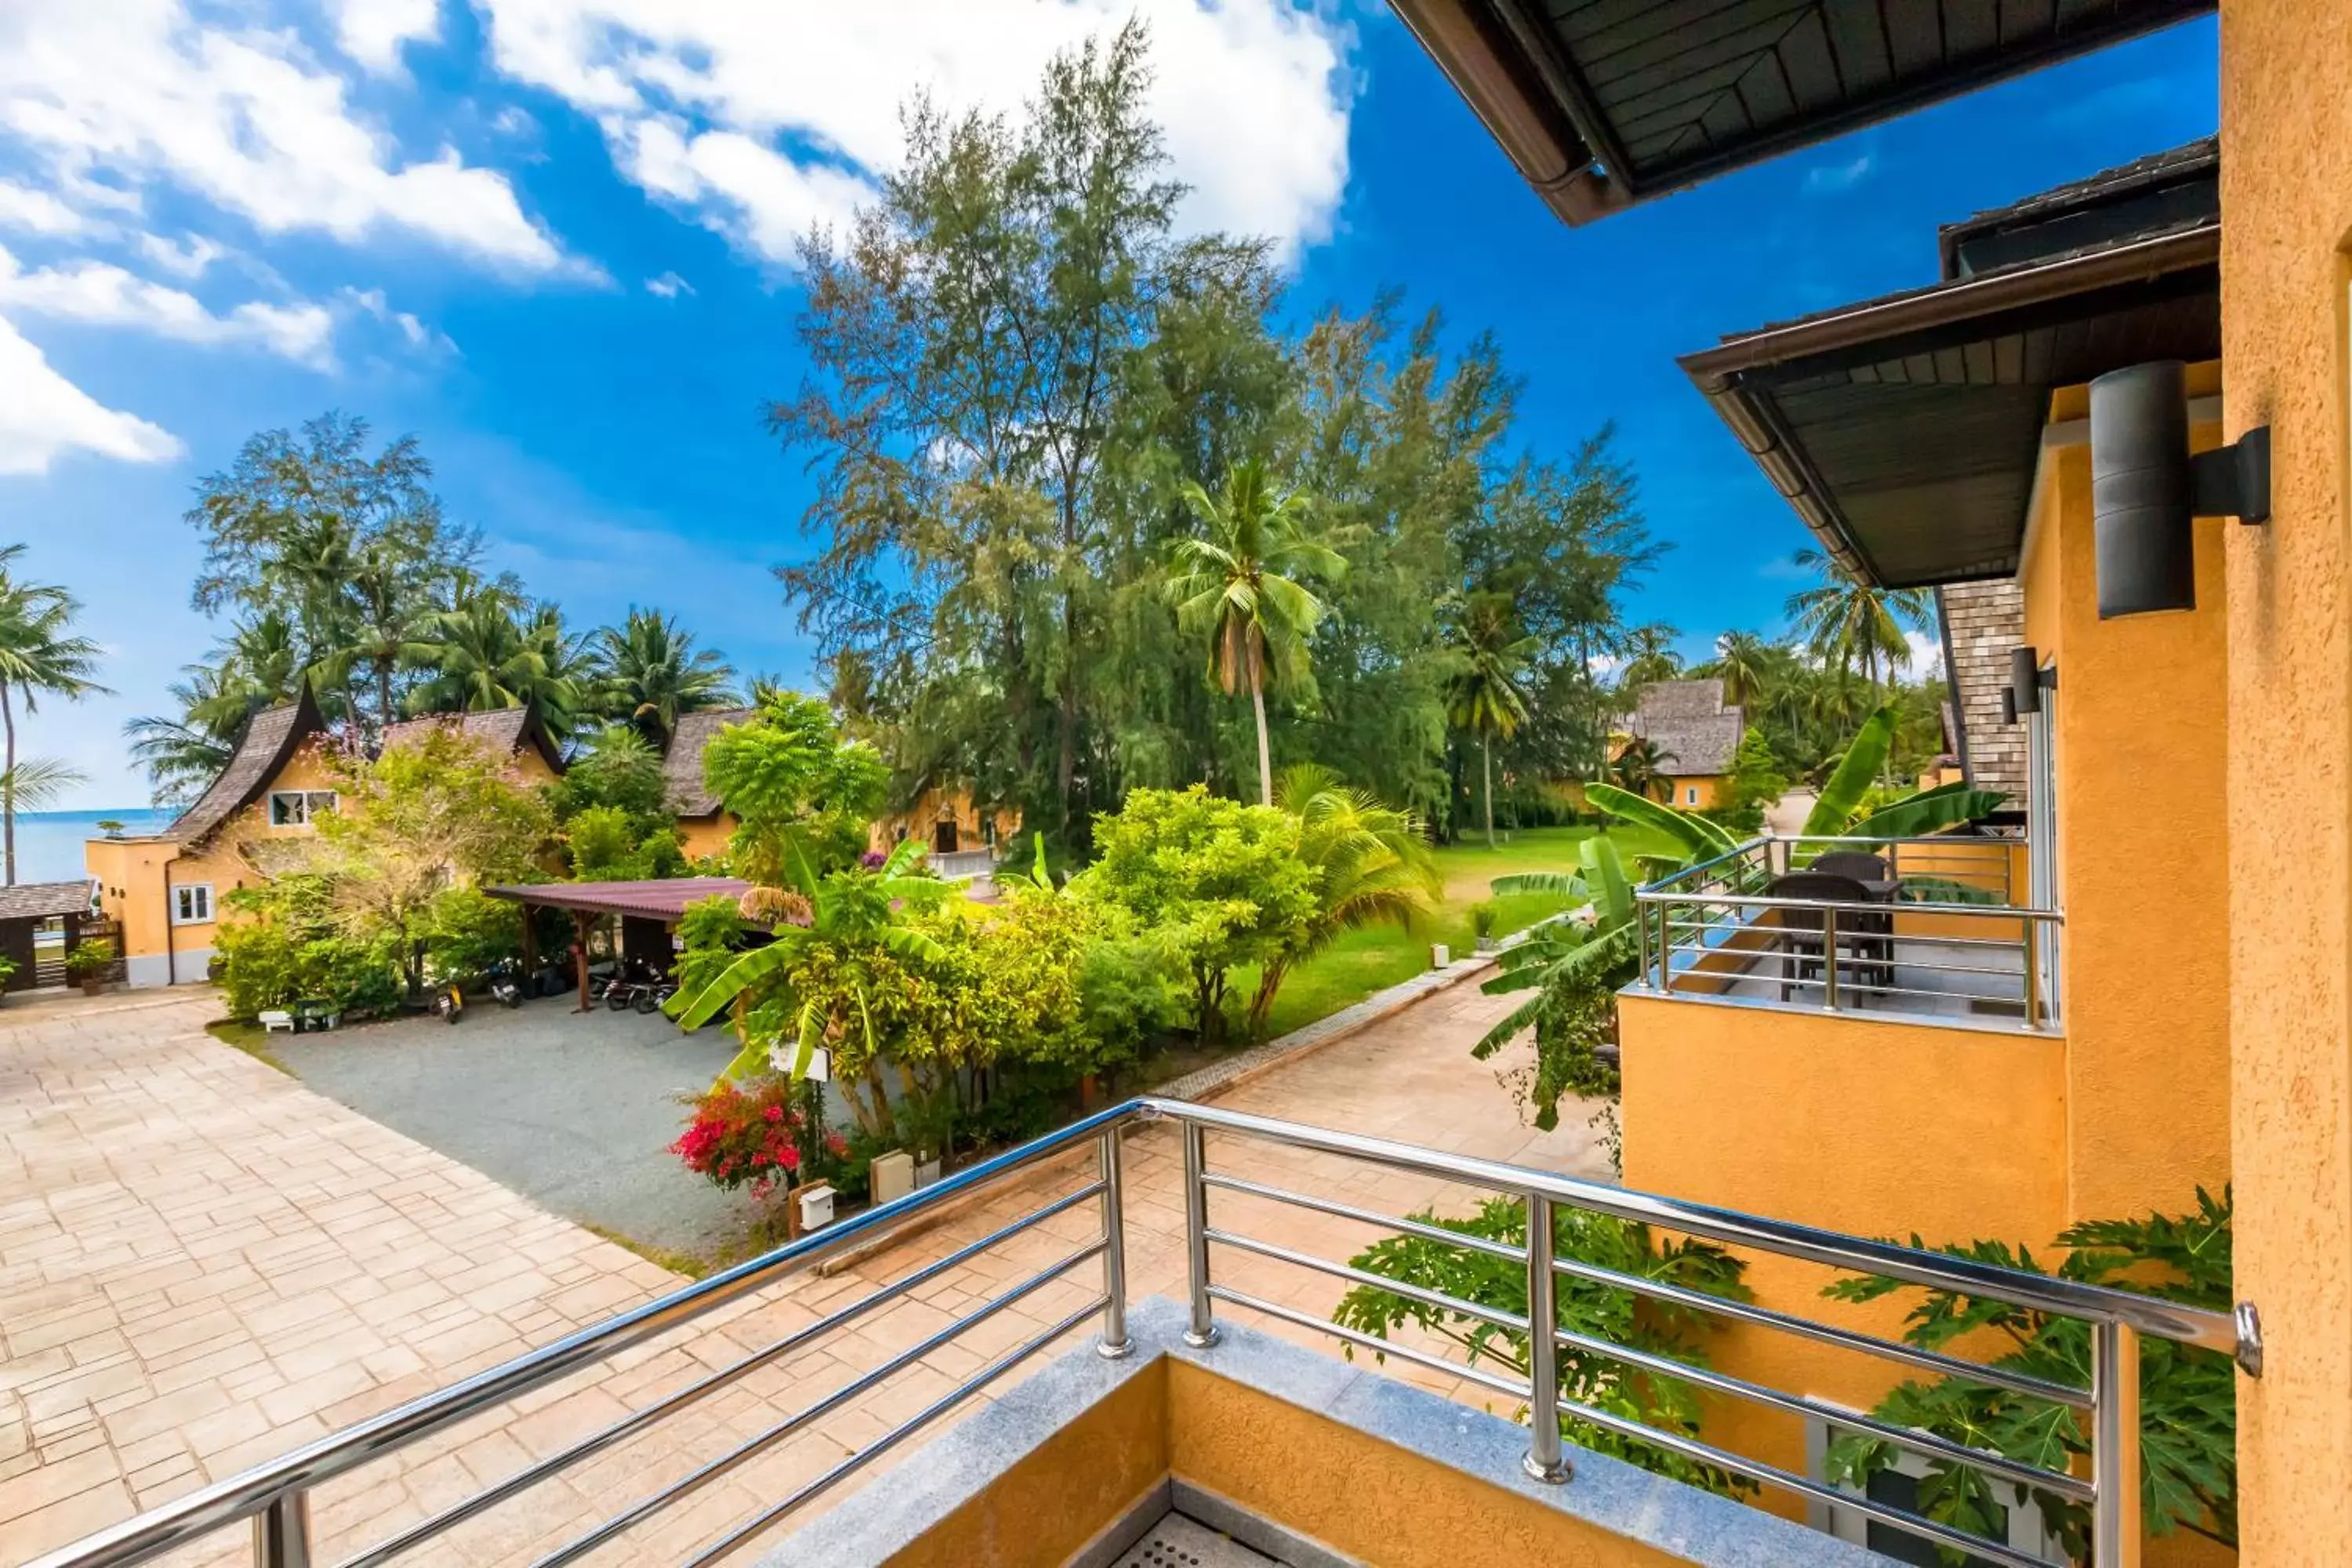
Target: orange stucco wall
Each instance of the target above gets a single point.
(704, 837)
(2286, 193)
(1855, 1124)
(2141, 746)
(936, 806)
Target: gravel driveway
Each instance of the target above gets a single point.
(575, 1110)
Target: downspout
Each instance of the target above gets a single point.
(171, 956)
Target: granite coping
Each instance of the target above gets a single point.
(1682, 1521)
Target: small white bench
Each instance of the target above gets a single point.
(275, 1019)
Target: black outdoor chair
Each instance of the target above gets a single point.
(1865, 938)
(1853, 863)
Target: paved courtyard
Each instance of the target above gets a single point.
(576, 1111)
(205, 1263)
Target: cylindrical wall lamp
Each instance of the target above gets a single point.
(2145, 488)
(2024, 693)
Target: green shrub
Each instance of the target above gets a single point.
(260, 965)
(469, 930)
(89, 957)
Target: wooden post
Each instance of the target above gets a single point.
(529, 949)
(581, 921)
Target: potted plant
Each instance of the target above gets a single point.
(7, 973)
(1484, 916)
(87, 964)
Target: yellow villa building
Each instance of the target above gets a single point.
(162, 891)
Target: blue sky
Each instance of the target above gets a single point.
(551, 237)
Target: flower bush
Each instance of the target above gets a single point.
(747, 1135)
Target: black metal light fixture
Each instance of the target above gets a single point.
(2023, 693)
(2145, 487)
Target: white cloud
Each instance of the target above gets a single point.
(763, 120)
(31, 211)
(1926, 656)
(100, 294)
(373, 32)
(1828, 179)
(144, 92)
(44, 415)
(181, 258)
(418, 335)
(669, 286)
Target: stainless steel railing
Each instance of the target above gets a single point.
(1945, 940)
(275, 1497)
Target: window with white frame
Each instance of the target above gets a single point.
(1690, 796)
(191, 904)
(300, 808)
(1898, 1486)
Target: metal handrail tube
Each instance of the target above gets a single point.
(1984, 1459)
(1382, 1282)
(767, 1519)
(1734, 853)
(2003, 943)
(1760, 901)
(241, 1496)
(638, 1421)
(752, 1448)
(1857, 1255)
(1830, 1334)
(1501, 1250)
(1505, 1386)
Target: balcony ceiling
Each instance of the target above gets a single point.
(1602, 103)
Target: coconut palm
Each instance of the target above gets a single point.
(1642, 767)
(1745, 664)
(648, 671)
(492, 649)
(1483, 694)
(1849, 623)
(259, 664)
(1240, 587)
(1374, 864)
(40, 657)
(1650, 657)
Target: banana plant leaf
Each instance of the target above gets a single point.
(1604, 876)
(1704, 839)
(1930, 811)
(1833, 811)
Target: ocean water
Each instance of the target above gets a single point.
(48, 843)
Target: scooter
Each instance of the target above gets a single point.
(621, 992)
(449, 1003)
(651, 997)
(506, 984)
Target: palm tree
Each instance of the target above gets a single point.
(1238, 586)
(1483, 695)
(1374, 863)
(649, 671)
(1744, 663)
(1848, 622)
(1641, 767)
(491, 649)
(39, 656)
(1650, 657)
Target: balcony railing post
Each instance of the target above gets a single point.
(1829, 959)
(1642, 937)
(281, 1532)
(2032, 974)
(1544, 1460)
(1115, 1342)
(1204, 1330)
(2114, 1446)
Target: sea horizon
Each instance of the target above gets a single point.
(48, 843)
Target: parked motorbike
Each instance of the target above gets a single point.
(506, 984)
(651, 997)
(621, 992)
(449, 1003)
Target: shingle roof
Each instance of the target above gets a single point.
(1690, 724)
(683, 790)
(505, 731)
(666, 899)
(2188, 164)
(270, 737)
(41, 900)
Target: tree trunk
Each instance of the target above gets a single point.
(8, 795)
(383, 692)
(1265, 754)
(1486, 763)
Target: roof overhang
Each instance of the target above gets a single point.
(1604, 103)
(1904, 430)
(665, 899)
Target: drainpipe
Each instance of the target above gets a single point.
(171, 956)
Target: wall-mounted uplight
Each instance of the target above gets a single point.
(2145, 487)
(2023, 693)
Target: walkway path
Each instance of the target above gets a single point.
(203, 1263)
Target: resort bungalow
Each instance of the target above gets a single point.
(1696, 735)
(703, 826)
(162, 892)
(950, 822)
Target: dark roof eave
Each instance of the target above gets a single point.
(1876, 330)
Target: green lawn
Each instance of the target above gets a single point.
(1364, 962)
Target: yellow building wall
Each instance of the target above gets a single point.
(1851, 1122)
(934, 805)
(2286, 192)
(2143, 853)
(704, 837)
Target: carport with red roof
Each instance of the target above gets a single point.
(647, 912)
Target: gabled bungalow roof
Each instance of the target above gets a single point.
(1691, 725)
(270, 739)
(506, 730)
(683, 790)
(44, 901)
